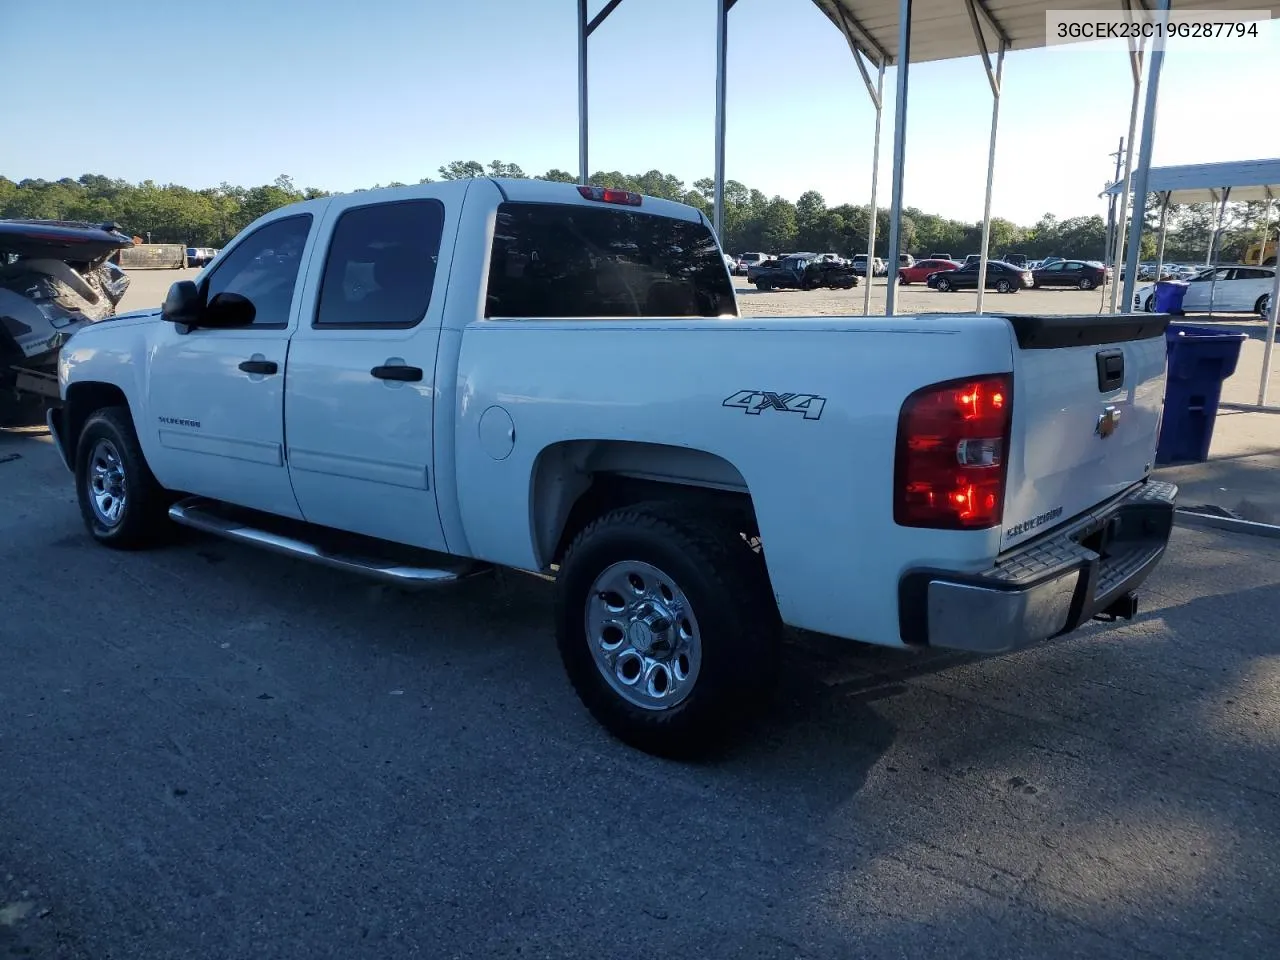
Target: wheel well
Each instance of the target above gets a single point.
(82, 400)
(577, 481)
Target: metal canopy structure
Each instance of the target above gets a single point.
(1249, 180)
(898, 33)
(1242, 181)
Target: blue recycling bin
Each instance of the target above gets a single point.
(1200, 359)
(1168, 296)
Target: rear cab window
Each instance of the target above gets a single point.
(572, 261)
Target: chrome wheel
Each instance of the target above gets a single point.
(1264, 306)
(106, 482)
(643, 635)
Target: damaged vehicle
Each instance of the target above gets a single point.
(55, 277)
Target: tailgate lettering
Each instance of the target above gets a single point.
(1018, 529)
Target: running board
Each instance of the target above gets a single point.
(346, 552)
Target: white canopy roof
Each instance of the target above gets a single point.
(1205, 182)
(941, 29)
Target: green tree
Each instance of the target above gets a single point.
(778, 230)
(461, 170)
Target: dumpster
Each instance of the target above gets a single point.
(1168, 296)
(1200, 359)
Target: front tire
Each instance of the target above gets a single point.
(667, 627)
(944, 285)
(122, 503)
(1085, 283)
(1150, 305)
(902, 279)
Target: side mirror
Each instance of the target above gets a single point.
(182, 304)
(228, 310)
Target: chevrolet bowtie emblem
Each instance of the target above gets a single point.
(1108, 420)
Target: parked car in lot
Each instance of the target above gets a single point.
(423, 383)
(1001, 277)
(1017, 259)
(55, 277)
(919, 271)
(1070, 273)
(1221, 290)
(748, 260)
(859, 263)
(803, 272)
(906, 260)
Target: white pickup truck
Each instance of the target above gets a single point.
(426, 382)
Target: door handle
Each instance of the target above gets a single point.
(266, 367)
(398, 371)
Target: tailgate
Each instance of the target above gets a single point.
(1088, 394)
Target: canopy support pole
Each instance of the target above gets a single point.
(722, 54)
(899, 155)
(1164, 228)
(1142, 178)
(586, 27)
(994, 77)
(1213, 246)
(1266, 226)
(1273, 313)
(862, 46)
(582, 91)
(1136, 51)
(1213, 234)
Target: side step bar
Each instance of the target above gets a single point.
(210, 516)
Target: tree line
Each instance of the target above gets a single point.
(169, 213)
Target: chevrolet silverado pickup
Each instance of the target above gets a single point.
(424, 383)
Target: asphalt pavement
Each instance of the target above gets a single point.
(210, 752)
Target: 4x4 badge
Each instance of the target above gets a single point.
(753, 402)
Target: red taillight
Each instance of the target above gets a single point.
(610, 195)
(950, 466)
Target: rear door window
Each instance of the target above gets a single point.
(381, 265)
(563, 260)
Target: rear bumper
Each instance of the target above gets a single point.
(1045, 588)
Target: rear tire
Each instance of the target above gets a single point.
(1004, 286)
(122, 503)
(1263, 306)
(667, 627)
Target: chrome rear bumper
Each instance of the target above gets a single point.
(1046, 588)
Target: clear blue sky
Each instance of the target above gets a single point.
(340, 95)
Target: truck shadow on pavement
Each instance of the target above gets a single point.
(211, 745)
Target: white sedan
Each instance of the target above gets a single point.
(1220, 290)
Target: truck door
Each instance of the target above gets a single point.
(215, 398)
(361, 388)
